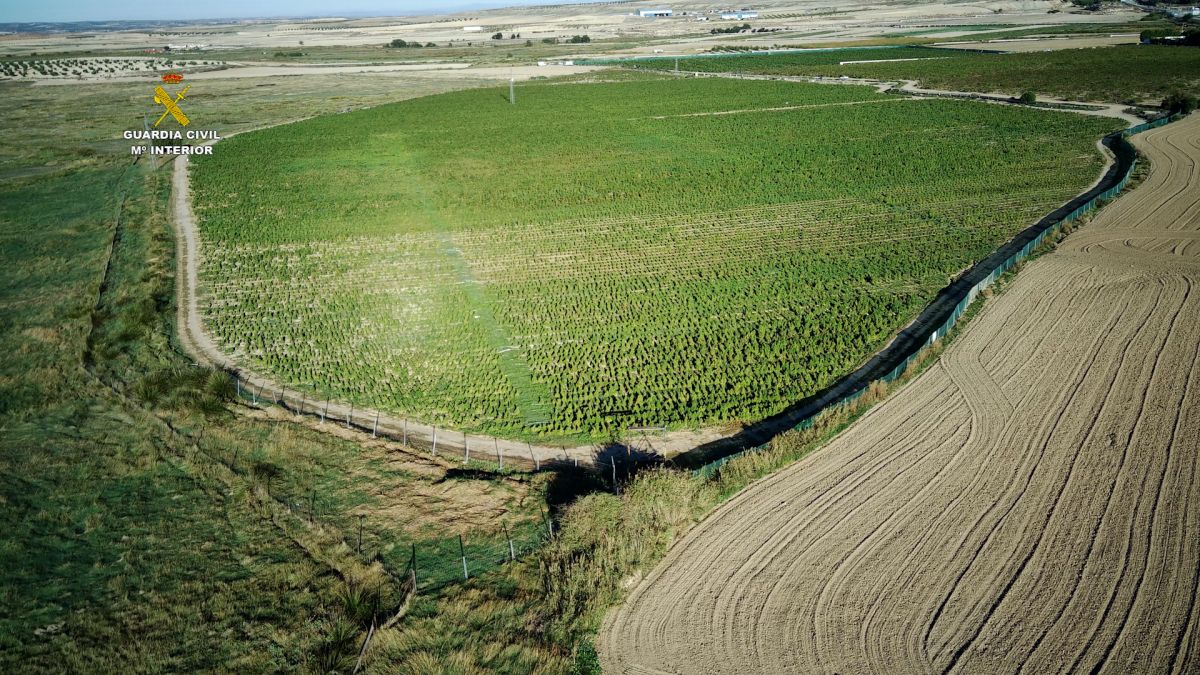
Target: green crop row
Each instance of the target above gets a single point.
(1122, 73)
(675, 252)
(786, 62)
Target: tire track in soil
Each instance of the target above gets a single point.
(873, 555)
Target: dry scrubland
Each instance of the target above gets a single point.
(1030, 504)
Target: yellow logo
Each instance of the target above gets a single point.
(164, 99)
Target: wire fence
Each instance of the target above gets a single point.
(1048, 228)
(437, 563)
(477, 451)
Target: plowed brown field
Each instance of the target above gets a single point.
(1029, 505)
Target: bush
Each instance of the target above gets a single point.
(1179, 102)
(1028, 98)
(587, 662)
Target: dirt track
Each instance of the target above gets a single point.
(1031, 504)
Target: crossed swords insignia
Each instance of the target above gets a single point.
(171, 104)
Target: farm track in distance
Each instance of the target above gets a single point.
(1030, 504)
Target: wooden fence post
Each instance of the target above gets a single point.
(435, 441)
(499, 457)
(375, 427)
(349, 415)
(362, 652)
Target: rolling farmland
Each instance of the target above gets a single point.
(672, 252)
(1108, 74)
(1030, 504)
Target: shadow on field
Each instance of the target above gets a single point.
(613, 461)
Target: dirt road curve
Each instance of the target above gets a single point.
(1029, 505)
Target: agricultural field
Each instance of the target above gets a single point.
(93, 68)
(1029, 504)
(1123, 73)
(789, 63)
(650, 252)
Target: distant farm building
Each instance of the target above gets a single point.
(472, 29)
(738, 16)
(654, 13)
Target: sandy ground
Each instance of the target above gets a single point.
(796, 19)
(444, 71)
(1030, 504)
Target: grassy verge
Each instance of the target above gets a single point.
(150, 526)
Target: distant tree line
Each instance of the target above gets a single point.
(401, 44)
(1167, 36)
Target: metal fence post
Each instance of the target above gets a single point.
(463, 551)
(512, 553)
(413, 565)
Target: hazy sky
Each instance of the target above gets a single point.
(105, 10)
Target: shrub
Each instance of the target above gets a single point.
(1179, 102)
